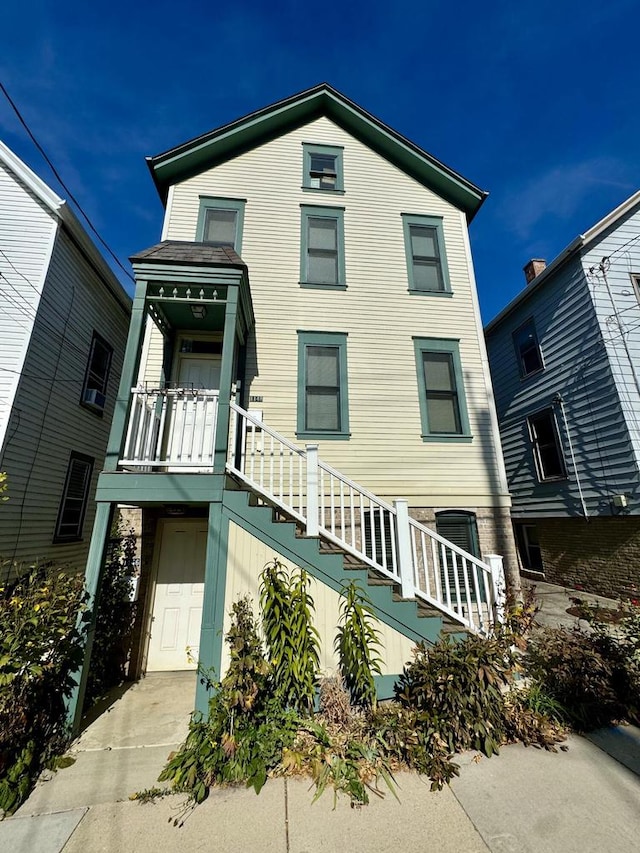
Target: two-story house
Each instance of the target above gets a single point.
(63, 327)
(306, 346)
(565, 362)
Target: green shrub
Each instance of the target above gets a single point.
(590, 675)
(40, 648)
(356, 643)
(115, 617)
(287, 610)
(456, 689)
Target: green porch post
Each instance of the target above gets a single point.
(226, 379)
(93, 578)
(215, 580)
(127, 377)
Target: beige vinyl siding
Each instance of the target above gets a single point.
(379, 315)
(247, 557)
(47, 421)
(150, 370)
(27, 229)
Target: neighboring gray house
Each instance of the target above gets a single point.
(63, 327)
(565, 363)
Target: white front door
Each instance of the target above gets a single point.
(193, 416)
(179, 590)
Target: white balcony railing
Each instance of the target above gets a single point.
(172, 428)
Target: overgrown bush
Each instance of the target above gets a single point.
(40, 648)
(115, 617)
(592, 675)
(457, 690)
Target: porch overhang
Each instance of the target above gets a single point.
(187, 286)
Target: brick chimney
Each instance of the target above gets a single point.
(533, 268)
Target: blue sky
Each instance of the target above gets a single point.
(536, 102)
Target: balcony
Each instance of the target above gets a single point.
(171, 430)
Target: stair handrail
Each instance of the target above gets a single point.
(474, 613)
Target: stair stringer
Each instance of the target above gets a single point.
(327, 568)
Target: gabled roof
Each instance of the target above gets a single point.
(578, 244)
(243, 134)
(61, 211)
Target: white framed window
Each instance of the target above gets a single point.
(525, 341)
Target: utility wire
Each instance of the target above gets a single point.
(62, 183)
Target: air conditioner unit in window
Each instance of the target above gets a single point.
(95, 398)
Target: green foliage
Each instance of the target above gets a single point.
(246, 730)
(356, 643)
(40, 648)
(292, 641)
(3, 487)
(593, 676)
(456, 690)
(115, 617)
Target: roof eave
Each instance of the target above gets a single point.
(231, 139)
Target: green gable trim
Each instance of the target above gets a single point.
(233, 139)
(443, 345)
(321, 339)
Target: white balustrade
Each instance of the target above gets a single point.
(171, 428)
(382, 536)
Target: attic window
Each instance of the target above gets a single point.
(322, 168)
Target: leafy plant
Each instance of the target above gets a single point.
(40, 648)
(456, 688)
(3, 487)
(115, 616)
(292, 641)
(356, 643)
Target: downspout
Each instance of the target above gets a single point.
(558, 399)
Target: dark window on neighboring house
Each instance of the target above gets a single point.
(74, 499)
(529, 547)
(547, 451)
(94, 391)
(527, 347)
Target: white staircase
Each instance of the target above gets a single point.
(382, 536)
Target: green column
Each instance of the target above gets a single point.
(127, 377)
(93, 578)
(226, 379)
(215, 580)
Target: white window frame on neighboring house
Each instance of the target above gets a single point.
(525, 341)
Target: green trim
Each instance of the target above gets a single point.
(409, 219)
(93, 580)
(159, 487)
(226, 379)
(308, 212)
(336, 151)
(422, 345)
(323, 339)
(385, 685)
(221, 203)
(246, 133)
(446, 293)
(213, 604)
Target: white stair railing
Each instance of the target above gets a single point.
(380, 535)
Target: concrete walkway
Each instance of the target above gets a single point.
(524, 801)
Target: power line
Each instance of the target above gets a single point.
(62, 183)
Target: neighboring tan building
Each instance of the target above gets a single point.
(313, 288)
(63, 327)
(565, 361)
